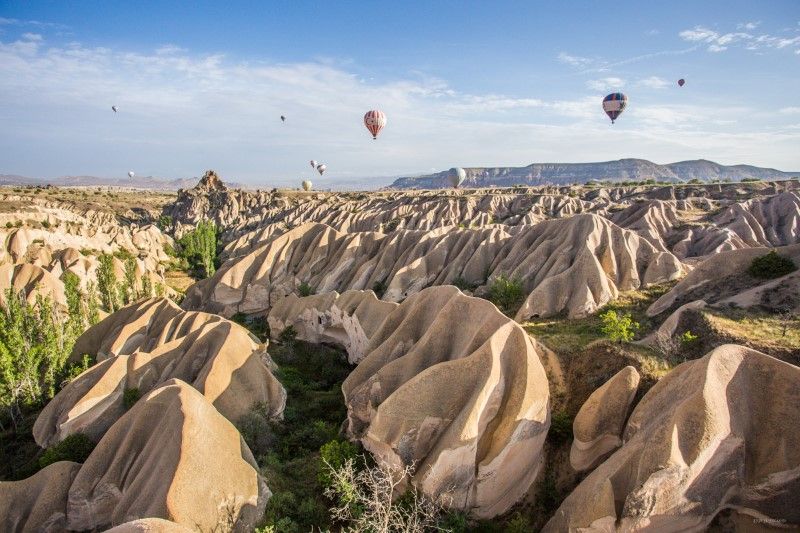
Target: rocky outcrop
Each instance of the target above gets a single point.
(150, 525)
(599, 423)
(38, 503)
(571, 265)
(716, 434)
(452, 386)
(171, 456)
(148, 343)
(770, 221)
(347, 320)
(723, 279)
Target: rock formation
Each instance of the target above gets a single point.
(148, 343)
(171, 456)
(452, 386)
(347, 320)
(38, 503)
(599, 423)
(718, 433)
(572, 265)
(723, 279)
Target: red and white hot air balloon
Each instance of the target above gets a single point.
(375, 120)
(681, 82)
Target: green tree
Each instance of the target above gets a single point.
(199, 248)
(618, 327)
(35, 343)
(107, 283)
(771, 265)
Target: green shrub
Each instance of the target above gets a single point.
(9, 225)
(304, 289)
(688, 337)
(288, 335)
(454, 522)
(618, 327)
(771, 266)
(379, 288)
(75, 448)
(256, 431)
(45, 223)
(130, 397)
(507, 294)
(464, 285)
(560, 428)
(335, 453)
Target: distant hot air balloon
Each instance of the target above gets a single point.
(321, 169)
(131, 174)
(375, 121)
(681, 82)
(283, 119)
(456, 176)
(614, 104)
(313, 163)
(307, 185)
(114, 108)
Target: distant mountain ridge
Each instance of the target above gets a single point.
(137, 182)
(615, 171)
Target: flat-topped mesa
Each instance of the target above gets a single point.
(716, 435)
(143, 345)
(455, 388)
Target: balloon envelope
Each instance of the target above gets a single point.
(313, 163)
(306, 185)
(321, 169)
(131, 174)
(114, 108)
(375, 120)
(681, 82)
(283, 119)
(614, 104)
(456, 176)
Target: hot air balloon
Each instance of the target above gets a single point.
(307, 185)
(681, 82)
(313, 163)
(321, 169)
(131, 174)
(614, 104)
(375, 121)
(114, 108)
(456, 176)
(283, 119)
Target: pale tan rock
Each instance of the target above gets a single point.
(723, 278)
(598, 426)
(171, 456)
(38, 503)
(347, 320)
(716, 433)
(454, 387)
(150, 525)
(144, 345)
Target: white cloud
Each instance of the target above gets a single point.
(790, 110)
(653, 82)
(575, 61)
(181, 113)
(31, 36)
(720, 42)
(606, 84)
(748, 25)
(698, 34)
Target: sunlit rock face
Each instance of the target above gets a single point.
(717, 433)
(454, 387)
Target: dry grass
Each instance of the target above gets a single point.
(757, 328)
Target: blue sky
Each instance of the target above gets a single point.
(201, 85)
